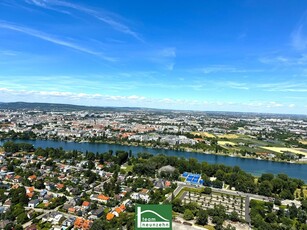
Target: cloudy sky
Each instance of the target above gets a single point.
(248, 55)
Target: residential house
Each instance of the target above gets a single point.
(72, 210)
(82, 224)
(5, 223)
(30, 214)
(68, 223)
(7, 203)
(98, 212)
(100, 198)
(30, 192)
(49, 186)
(47, 198)
(32, 178)
(110, 216)
(86, 205)
(17, 179)
(33, 203)
(142, 195)
(58, 218)
(60, 186)
(43, 193)
(116, 212)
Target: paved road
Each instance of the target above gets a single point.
(44, 212)
(247, 216)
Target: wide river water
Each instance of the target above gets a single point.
(253, 166)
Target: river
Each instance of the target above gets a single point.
(253, 166)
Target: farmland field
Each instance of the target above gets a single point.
(284, 149)
(203, 134)
(304, 142)
(229, 136)
(223, 143)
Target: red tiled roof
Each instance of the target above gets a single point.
(110, 216)
(86, 203)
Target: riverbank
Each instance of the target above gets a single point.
(146, 145)
(178, 148)
(253, 166)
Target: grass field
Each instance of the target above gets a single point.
(186, 189)
(128, 168)
(283, 149)
(223, 143)
(203, 134)
(209, 227)
(304, 142)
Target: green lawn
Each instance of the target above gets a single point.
(209, 227)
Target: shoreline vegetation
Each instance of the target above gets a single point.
(174, 148)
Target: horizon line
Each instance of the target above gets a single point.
(154, 108)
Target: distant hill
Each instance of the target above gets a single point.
(69, 107)
(59, 107)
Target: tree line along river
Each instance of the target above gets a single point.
(253, 166)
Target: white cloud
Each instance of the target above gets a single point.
(164, 57)
(46, 37)
(299, 34)
(168, 52)
(103, 16)
(141, 101)
(224, 69)
(285, 61)
(283, 87)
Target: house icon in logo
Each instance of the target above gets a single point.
(154, 217)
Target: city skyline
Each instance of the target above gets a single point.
(245, 56)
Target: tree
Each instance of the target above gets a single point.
(293, 211)
(234, 216)
(207, 190)
(188, 215)
(39, 184)
(286, 194)
(9, 226)
(302, 216)
(177, 205)
(265, 188)
(98, 225)
(217, 184)
(22, 218)
(18, 227)
(218, 221)
(10, 147)
(278, 185)
(202, 217)
(304, 205)
(266, 177)
(19, 196)
(270, 217)
(90, 164)
(193, 206)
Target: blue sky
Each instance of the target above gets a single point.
(248, 55)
